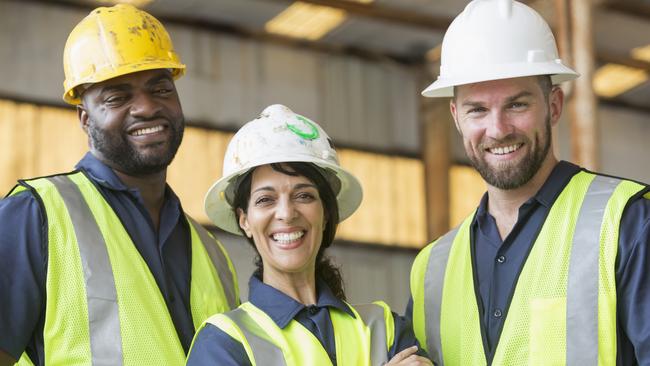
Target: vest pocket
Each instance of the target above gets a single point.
(547, 335)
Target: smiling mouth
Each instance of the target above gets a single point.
(503, 150)
(287, 238)
(147, 131)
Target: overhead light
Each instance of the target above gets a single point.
(611, 80)
(136, 3)
(641, 53)
(307, 21)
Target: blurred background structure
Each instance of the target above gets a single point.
(357, 68)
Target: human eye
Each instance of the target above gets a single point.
(305, 196)
(115, 99)
(518, 105)
(163, 88)
(163, 91)
(476, 110)
(262, 201)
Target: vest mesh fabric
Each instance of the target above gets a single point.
(66, 320)
(607, 285)
(203, 292)
(535, 325)
(147, 332)
(418, 272)
(299, 346)
(534, 332)
(459, 319)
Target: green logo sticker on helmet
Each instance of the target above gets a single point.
(313, 130)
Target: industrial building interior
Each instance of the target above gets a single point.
(357, 67)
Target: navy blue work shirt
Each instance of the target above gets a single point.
(498, 263)
(213, 346)
(24, 255)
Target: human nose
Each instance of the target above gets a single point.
(498, 126)
(285, 210)
(144, 106)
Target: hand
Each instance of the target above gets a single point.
(408, 358)
(5, 359)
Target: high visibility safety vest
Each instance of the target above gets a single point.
(563, 309)
(360, 341)
(103, 304)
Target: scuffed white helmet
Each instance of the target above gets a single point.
(278, 135)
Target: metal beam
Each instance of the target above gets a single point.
(621, 59)
(632, 8)
(385, 13)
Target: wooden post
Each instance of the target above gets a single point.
(436, 124)
(584, 105)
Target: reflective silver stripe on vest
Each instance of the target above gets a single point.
(264, 352)
(103, 317)
(582, 286)
(433, 283)
(219, 261)
(373, 318)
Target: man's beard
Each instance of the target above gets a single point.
(123, 156)
(506, 176)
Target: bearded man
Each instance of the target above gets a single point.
(101, 265)
(552, 267)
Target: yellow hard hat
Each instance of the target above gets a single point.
(115, 41)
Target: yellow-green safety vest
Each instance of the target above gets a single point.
(563, 309)
(363, 340)
(103, 304)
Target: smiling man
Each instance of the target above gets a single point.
(552, 267)
(101, 265)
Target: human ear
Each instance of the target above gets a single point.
(243, 222)
(82, 114)
(454, 114)
(556, 103)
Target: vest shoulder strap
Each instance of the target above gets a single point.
(101, 294)
(264, 351)
(220, 261)
(374, 317)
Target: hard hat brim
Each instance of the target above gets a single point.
(444, 87)
(221, 213)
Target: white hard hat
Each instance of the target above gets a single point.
(497, 39)
(278, 135)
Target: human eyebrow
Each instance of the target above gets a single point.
(265, 188)
(115, 88)
(304, 185)
(523, 94)
(159, 78)
(472, 104)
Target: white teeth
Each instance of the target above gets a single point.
(504, 150)
(285, 238)
(146, 131)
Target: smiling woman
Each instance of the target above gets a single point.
(284, 190)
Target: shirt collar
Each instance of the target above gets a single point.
(104, 175)
(282, 308)
(100, 172)
(550, 190)
(556, 181)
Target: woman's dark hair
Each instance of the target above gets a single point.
(326, 183)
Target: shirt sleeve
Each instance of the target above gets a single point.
(212, 346)
(23, 262)
(633, 284)
(404, 337)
